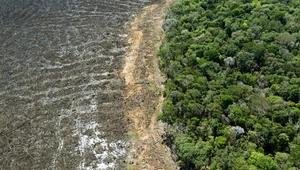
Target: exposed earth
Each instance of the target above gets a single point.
(65, 102)
(144, 86)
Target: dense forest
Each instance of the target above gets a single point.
(232, 93)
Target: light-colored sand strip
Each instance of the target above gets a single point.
(143, 95)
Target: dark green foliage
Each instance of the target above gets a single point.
(232, 95)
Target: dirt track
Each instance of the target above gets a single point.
(144, 85)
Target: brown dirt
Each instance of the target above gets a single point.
(144, 85)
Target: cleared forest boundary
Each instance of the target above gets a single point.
(144, 85)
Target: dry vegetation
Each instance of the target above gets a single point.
(144, 85)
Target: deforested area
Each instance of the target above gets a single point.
(232, 91)
(61, 96)
(143, 93)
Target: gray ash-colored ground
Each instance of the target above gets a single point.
(60, 93)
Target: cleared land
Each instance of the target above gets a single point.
(61, 97)
(144, 85)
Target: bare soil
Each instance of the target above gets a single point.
(143, 96)
(61, 99)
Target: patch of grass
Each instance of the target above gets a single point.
(131, 167)
(133, 135)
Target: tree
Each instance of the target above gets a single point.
(212, 55)
(240, 164)
(283, 160)
(174, 68)
(286, 39)
(295, 151)
(245, 62)
(225, 101)
(262, 161)
(193, 154)
(167, 114)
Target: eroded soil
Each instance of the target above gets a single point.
(144, 85)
